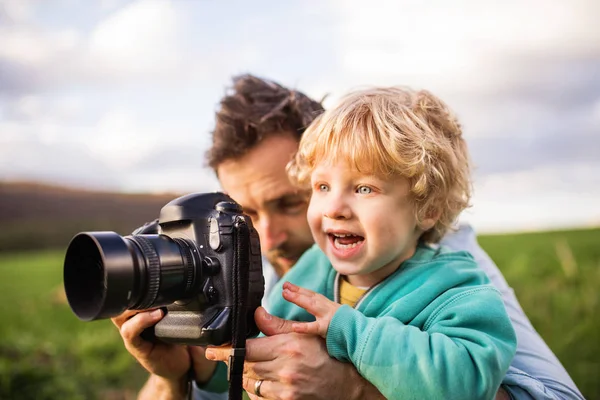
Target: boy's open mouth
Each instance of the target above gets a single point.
(344, 240)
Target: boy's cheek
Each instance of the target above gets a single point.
(313, 215)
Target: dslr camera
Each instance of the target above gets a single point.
(201, 262)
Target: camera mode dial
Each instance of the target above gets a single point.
(228, 206)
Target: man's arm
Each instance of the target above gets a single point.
(158, 388)
(168, 364)
(535, 372)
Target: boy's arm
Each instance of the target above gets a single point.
(462, 351)
(535, 372)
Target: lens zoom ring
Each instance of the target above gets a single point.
(153, 271)
(190, 263)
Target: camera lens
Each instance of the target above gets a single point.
(106, 274)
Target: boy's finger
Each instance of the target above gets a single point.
(310, 304)
(300, 290)
(306, 327)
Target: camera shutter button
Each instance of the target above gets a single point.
(210, 292)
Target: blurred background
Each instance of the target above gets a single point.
(106, 109)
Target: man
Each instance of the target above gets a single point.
(257, 131)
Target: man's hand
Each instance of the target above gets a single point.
(316, 304)
(295, 366)
(168, 363)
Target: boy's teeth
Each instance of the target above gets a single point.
(344, 246)
(339, 245)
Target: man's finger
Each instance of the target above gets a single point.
(203, 368)
(262, 370)
(133, 327)
(266, 390)
(119, 320)
(271, 325)
(257, 350)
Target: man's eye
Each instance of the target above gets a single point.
(364, 190)
(323, 187)
(252, 214)
(293, 206)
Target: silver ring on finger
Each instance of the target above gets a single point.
(257, 386)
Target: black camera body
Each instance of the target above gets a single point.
(202, 262)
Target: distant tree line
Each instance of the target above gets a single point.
(37, 216)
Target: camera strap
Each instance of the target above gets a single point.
(240, 297)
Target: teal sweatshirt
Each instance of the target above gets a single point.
(434, 329)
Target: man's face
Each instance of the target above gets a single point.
(259, 183)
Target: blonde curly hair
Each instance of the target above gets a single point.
(395, 131)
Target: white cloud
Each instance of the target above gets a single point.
(141, 38)
(540, 198)
(461, 45)
(35, 47)
(119, 139)
(180, 180)
(25, 156)
(110, 4)
(36, 107)
(15, 11)
(137, 42)
(118, 153)
(595, 115)
(28, 106)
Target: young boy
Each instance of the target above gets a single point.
(389, 173)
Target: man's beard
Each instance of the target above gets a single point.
(274, 255)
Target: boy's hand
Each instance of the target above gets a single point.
(316, 304)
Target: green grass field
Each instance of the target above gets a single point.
(556, 276)
(46, 353)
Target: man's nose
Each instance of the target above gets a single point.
(272, 234)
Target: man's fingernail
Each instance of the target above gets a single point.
(209, 354)
(156, 313)
(265, 314)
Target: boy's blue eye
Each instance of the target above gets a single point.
(323, 187)
(364, 190)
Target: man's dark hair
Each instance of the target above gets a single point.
(253, 110)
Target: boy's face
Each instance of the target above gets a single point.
(365, 225)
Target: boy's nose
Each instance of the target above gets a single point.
(336, 208)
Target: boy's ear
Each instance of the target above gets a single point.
(431, 218)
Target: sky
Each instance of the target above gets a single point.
(121, 95)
